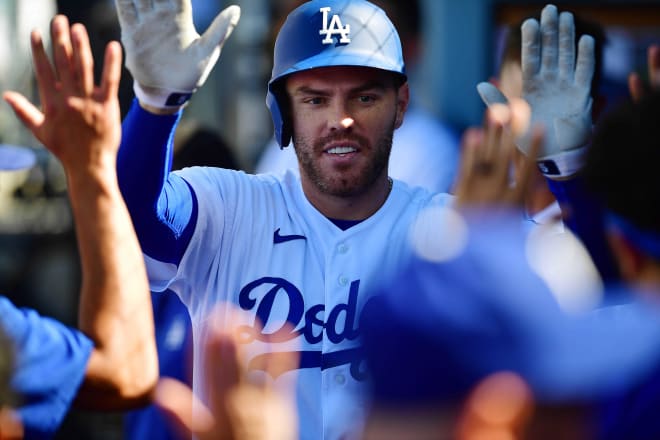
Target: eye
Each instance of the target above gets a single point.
(366, 99)
(315, 100)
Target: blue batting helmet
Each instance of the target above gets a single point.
(322, 33)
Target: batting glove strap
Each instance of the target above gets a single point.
(564, 164)
(160, 98)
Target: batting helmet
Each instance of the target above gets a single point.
(322, 33)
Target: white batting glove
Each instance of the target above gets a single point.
(557, 88)
(168, 59)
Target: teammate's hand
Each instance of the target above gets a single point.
(557, 87)
(239, 407)
(487, 155)
(638, 87)
(79, 122)
(168, 59)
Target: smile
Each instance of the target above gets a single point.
(341, 150)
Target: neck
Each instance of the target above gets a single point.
(355, 207)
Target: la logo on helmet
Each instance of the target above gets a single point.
(336, 28)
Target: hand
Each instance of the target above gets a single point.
(239, 407)
(168, 59)
(79, 123)
(487, 157)
(635, 84)
(501, 405)
(555, 84)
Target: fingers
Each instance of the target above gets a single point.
(176, 400)
(221, 28)
(472, 140)
(163, 4)
(566, 46)
(531, 49)
(72, 57)
(500, 406)
(528, 169)
(499, 148)
(586, 62)
(549, 44)
(44, 73)
(490, 94)
(62, 51)
(635, 86)
(29, 115)
(144, 7)
(126, 12)
(223, 371)
(653, 55)
(111, 71)
(83, 62)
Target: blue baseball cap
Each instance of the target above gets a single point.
(437, 328)
(13, 158)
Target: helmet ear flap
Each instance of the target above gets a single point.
(277, 101)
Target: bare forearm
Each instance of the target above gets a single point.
(115, 303)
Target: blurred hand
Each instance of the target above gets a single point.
(499, 407)
(487, 158)
(636, 85)
(239, 407)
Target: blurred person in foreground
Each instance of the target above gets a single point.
(110, 362)
(493, 354)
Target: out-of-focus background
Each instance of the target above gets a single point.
(461, 45)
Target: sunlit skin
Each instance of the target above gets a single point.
(343, 122)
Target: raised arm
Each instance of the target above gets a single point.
(80, 125)
(169, 61)
(556, 78)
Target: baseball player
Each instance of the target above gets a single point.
(110, 362)
(304, 250)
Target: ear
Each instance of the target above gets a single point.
(403, 98)
(629, 258)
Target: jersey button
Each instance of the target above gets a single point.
(343, 280)
(342, 248)
(340, 379)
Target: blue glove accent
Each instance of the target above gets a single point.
(163, 206)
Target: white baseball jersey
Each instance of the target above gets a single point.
(260, 244)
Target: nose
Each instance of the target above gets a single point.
(340, 118)
(347, 122)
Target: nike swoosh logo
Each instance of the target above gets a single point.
(277, 238)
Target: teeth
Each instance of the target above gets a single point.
(341, 150)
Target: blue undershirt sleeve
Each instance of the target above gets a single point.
(583, 215)
(162, 205)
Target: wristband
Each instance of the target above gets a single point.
(563, 164)
(161, 98)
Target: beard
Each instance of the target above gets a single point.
(350, 184)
